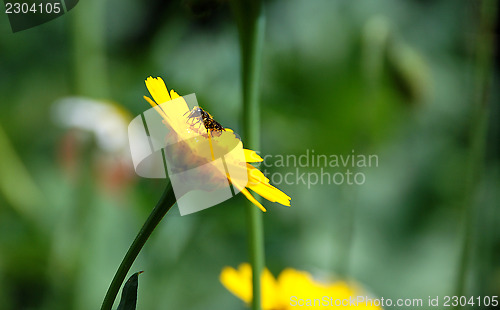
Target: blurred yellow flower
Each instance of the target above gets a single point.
(294, 289)
(188, 136)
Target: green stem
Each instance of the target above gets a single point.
(89, 49)
(166, 201)
(250, 19)
(478, 134)
(256, 248)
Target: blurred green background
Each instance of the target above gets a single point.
(409, 81)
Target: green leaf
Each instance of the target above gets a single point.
(129, 293)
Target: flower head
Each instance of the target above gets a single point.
(292, 289)
(192, 136)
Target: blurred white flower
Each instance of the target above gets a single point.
(107, 121)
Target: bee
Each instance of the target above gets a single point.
(199, 116)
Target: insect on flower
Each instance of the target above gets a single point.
(180, 120)
(197, 116)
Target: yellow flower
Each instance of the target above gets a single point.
(294, 289)
(190, 137)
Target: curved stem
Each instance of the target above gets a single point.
(166, 201)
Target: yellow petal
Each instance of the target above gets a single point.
(301, 285)
(270, 193)
(258, 182)
(157, 108)
(341, 289)
(269, 291)
(255, 175)
(239, 282)
(293, 283)
(252, 199)
(157, 89)
(247, 194)
(251, 156)
(177, 109)
(173, 94)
